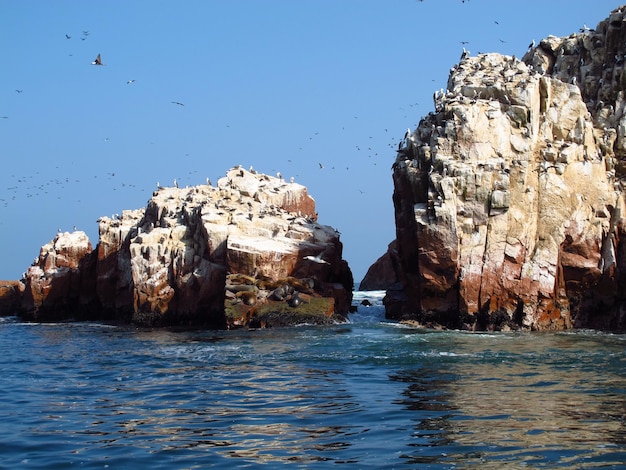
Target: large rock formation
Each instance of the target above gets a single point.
(167, 264)
(508, 197)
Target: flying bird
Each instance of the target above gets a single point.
(178, 103)
(129, 82)
(67, 36)
(98, 61)
(317, 259)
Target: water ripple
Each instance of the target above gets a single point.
(368, 394)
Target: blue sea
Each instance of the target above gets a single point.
(366, 394)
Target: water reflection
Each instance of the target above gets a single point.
(245, 411)
(538, 400)
(371, 395)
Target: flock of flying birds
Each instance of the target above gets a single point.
(32, 185)
(368, 148)
(373, 145)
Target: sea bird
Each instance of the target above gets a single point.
(98, 61)
(317, 259)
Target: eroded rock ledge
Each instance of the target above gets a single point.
(509, 197)
(168, 264)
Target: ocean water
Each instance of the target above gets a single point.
(367, 394)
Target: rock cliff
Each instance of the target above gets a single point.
(202, 256)
(509, 195)
(382, 275)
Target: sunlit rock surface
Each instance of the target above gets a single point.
(509, 196)
(167, 264)
(59, 284)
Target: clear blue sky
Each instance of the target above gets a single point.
(282, 85)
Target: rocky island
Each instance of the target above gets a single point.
(509, 196)
(246, 253)
(509, 213)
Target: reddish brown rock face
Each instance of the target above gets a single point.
(167, 264)
(10, 297)
(509, 197)
(382, 275)
(58, 286)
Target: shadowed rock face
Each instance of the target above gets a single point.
(509, 196)
(167, 264)
(382, 274)
(10, 297)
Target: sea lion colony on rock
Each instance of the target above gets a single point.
(250, 290)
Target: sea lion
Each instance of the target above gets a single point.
(298, 284)
(267, 284)
(238, 278)
(306, 298)
(241, 288)
(248, 298)
(278, 294)
(294, 301)
(308, 282)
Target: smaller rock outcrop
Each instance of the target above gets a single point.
(10, 297)
(59, 284)
(382, 274)
(176, 261)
